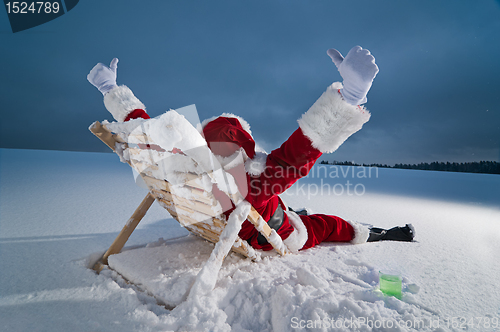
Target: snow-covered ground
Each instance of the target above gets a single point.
(59, 209)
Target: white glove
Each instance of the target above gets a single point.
(358, 69)
(102, 77)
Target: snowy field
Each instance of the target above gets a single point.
(59, 209)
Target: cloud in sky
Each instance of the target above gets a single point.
(435, 98)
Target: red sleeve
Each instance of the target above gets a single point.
(136, 114)
(284, 166)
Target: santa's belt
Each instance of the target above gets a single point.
(274, 222)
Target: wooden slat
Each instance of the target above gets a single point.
(104, 135)
(241, 247)
(191, 180)
(202, 196)
(190, 206)
(196, 197)
(199, 195)
(142, 167)
(136, 151)
(215, 236)
(256, 219)
(194, 200)
(186, 220)
(156, 183)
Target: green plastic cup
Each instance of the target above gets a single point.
(390, 284)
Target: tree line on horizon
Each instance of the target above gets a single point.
(489, 167)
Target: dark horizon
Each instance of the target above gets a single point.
(483, 166)
(319, 162)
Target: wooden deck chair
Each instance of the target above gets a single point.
(188, 199)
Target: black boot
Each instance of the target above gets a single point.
(406, 233)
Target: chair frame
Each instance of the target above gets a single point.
(159, 190)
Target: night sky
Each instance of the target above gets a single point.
(436, 97)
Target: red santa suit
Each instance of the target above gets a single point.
(322, 129)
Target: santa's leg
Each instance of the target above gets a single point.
(325, 228)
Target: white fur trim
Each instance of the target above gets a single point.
(331, 120)
(120, 101)
(242, 121)
(298, 238)
(257, 165)
(412, 230)
(361, 232)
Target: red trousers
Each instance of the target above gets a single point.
(325, 228)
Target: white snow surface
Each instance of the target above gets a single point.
(61, 210)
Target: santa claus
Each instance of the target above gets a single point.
(335, 116)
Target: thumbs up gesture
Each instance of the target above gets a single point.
(102, 77)
(358, 69)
